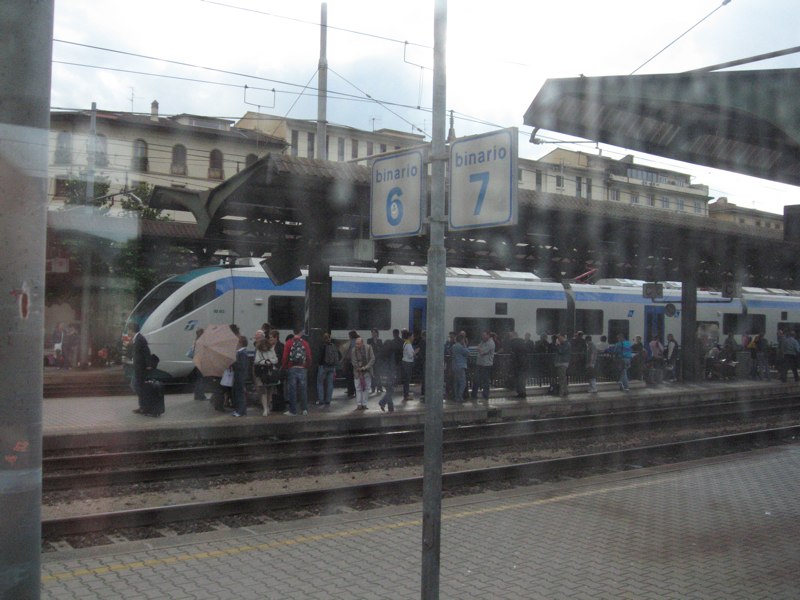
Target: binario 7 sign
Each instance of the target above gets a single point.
(483, 180)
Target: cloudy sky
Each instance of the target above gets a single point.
(197, 56)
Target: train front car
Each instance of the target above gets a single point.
(172, 311)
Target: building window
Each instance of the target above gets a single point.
(613, 194)
(634, 198)
(63, 155)
(310, 145)
(370, 149)
(538, 181)
(250, 159)
(215, 163)
(665, 202)
(62, 183)
(560, 182)
(741, 221)
(758, 223)
(680, 205)
(383, 148)
(178, 166)
(588, 189)
(100, 150)
(578, 186)
(698, 207)
(651, 200)
(295, 141)
(353, 148)
(340, 149)
(139, 156)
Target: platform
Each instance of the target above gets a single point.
(108, 420)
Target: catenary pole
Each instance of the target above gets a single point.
(26, 31)
(434, 348)
(85, 354)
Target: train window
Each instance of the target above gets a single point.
(193, 301)
(550, 320)
(286, 311)
(617, 326)
(708, 333)
(474, 327)
(787, 326)
(360, 313)
(501, 308)
(741, 324)
(153, 300)
(589, 321)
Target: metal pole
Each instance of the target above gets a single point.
(84, 354)
(434, 349)
(322, 81)
(26, 29)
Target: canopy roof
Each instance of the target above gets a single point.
(743, 121)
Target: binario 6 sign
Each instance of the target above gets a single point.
(483, 180)
(397, 192)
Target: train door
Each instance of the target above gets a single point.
(417, 314)
(654, 322)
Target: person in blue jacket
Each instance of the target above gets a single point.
(623, 353)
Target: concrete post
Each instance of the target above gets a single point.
(434, 348)
(26, 33)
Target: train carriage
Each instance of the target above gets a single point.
(476, 300)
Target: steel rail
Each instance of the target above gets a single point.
(616, 459)
(401, 447)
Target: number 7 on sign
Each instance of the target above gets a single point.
(483, 177)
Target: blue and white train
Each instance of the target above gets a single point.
(476, 300)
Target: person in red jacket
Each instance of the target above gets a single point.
(296, 362)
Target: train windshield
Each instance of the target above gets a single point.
(154, 299)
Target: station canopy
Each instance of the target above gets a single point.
(742, 121)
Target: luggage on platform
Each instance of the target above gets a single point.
(153, 397)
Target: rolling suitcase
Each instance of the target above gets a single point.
(153, 397)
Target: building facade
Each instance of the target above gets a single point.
(344, 144)
(723, 210)
(594, 177)
(183, 151)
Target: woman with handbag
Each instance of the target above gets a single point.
(265, 369)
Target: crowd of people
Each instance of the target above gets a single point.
(278, 370)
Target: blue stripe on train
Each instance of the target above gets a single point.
(378, 288)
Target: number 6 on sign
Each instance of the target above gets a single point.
(483, 177)
(394, 208)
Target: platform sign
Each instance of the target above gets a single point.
(483, 180)
(397, 194)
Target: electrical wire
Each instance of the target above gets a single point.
(724, 2)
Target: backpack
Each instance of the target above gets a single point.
(331, 356)
(297, 353)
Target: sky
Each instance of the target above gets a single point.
(226, 57)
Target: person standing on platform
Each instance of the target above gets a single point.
(484, 364)
(347, 366)
(460, 362)
(671, 357)
(562, 358)
(519, 363)
(363, 358)
(448, 365)
(392, 357)
(407, 363)
(623, 353)
(591, 364)
(296, 362)
(141, 362)
(240, 373)
(326, 372)
(199, 380)
(376, 343)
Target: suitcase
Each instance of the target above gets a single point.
(153, 397)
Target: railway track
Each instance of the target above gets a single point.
(411, 487)
(363, 448)
(132, 467)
